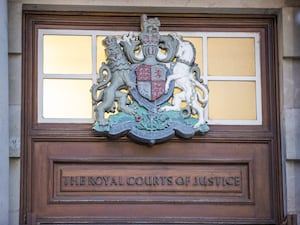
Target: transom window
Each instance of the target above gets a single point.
(69, 60)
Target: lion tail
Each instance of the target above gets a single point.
(104, 78)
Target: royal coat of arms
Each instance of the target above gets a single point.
(150, 87)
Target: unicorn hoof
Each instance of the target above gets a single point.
(202, 128)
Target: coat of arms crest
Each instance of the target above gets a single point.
(150, 87)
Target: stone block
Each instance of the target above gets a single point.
(14, 130)
(291, 31)
(293, 187)
(15, 78)
(291, 83)
(292, 133)
(14, 194)
(14, 27)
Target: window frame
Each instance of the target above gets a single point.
(204, 71)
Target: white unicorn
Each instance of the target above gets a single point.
(186, 75)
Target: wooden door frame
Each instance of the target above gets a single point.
(33, 132)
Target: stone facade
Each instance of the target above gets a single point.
(4, 115)
(288, 12)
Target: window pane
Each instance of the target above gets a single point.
(101, 56)
(231, 56)
(67, 54)
(232, 100)
(197, 42)
(64, 98)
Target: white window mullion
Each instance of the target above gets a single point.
(94, 58)
(68, 76)
(258, 79)
(232, 78)
(205, 70)
(40, 75)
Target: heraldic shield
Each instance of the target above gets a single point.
(151, 81)
(135, 91)
(150, 85)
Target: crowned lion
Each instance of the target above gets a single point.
(113, 77)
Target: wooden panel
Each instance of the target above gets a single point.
(237, 179)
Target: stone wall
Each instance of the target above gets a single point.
(290, 105)
(289, 62)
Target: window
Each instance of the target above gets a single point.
(69, 61)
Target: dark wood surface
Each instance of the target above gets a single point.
(59, 159)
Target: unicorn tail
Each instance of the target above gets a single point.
(202, 99)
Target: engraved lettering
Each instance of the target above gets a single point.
(210, 181)
(151, 181)
(155, 180)
(148, 180)
(121, 181)
(206, 181)
(179, 181)
(163, 180)
(170, 180)
(65, 181)
(203, 181)
(91, 180)
(187, 180)
(82, 181)
(139, 181)
(130, 181)
(113, 181)
(229, 180)
(106, 179)
(99, 180)
(224, 181)
(74, 181)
